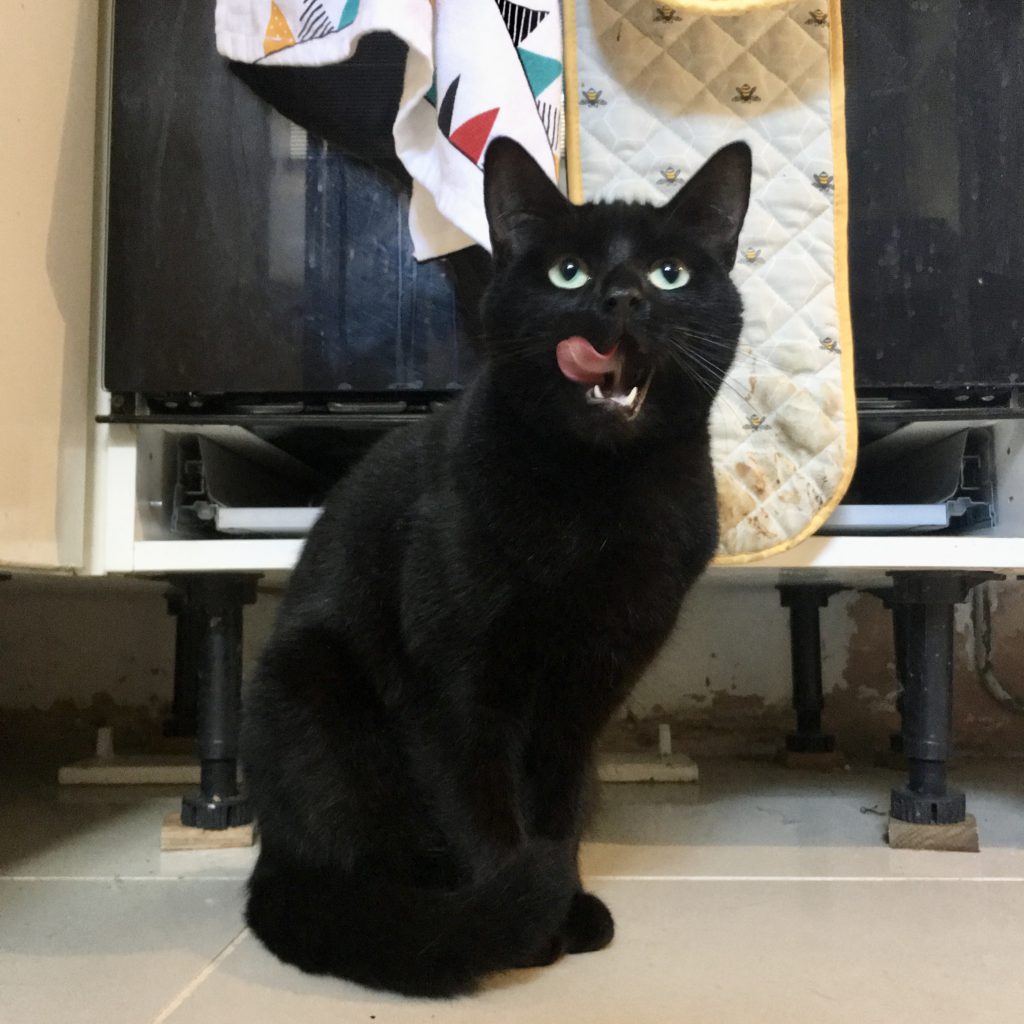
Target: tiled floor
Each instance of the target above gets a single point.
(758, 896)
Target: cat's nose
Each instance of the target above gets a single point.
(622, 299)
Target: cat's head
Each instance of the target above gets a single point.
(615, 321)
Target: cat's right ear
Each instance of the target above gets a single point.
(518, 196)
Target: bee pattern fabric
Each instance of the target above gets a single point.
(476, 69)
(653, 90)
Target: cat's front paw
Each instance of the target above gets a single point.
(589, 926)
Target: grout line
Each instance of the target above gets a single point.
(123, 878)
(187, 991)
(803, 878)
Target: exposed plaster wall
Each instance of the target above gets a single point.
(93, 651)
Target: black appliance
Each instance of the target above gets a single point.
(252, 265)
(255, 268)
(935, 133)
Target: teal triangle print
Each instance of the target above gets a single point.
(348, 14)
(431, 94)
(540, 71)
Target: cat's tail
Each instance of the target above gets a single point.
(421, 942)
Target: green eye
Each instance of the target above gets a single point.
(568, 272)
(668, 274)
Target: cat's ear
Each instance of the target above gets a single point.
(518, 196)
(714, 202)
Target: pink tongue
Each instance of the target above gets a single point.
(580, 361)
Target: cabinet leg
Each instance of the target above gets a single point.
(188, 637)
(804, 604)
(922, 604)
(218, 601)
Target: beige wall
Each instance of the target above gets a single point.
(47, 133)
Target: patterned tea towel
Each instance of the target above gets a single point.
(475, 69)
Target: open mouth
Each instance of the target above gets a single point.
(612, 394)
(612, 379)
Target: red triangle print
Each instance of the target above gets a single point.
(471, 136)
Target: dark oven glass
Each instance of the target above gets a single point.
(245, 256)
(935, 119)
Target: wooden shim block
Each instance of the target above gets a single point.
(649, 768)
(137, 770)
(959, 838)
(825, 761)
(175, 836)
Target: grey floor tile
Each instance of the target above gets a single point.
(767, 952)
(100, 831)
(107, 952)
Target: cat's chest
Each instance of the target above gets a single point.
(637, 533)
(615, 569)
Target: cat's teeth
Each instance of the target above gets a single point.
(596, 397)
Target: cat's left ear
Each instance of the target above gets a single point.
(518, 196)
(713, 203)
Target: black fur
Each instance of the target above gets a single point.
(480, 594)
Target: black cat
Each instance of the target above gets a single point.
(482, 592)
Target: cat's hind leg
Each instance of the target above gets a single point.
(415, 941)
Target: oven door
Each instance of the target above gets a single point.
(935, 133)
(247, 257)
